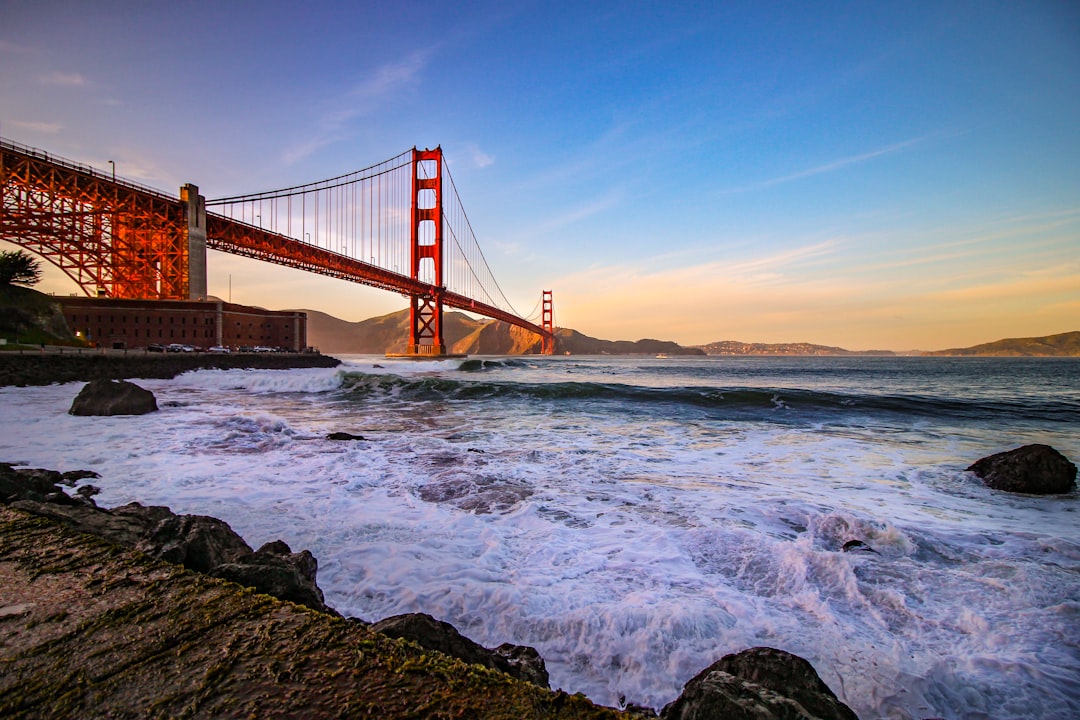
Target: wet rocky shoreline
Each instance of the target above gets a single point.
(755, 683)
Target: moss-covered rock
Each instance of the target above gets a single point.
(99, 631)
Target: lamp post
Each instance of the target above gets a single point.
(113, 170)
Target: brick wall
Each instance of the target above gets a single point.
(138, 323)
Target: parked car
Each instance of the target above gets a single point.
(154, 347)
(219, 349)
(174, 347)
(263, 349)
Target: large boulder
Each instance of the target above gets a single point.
(519, 661)
(758, 684)
(1033, 469)
(276, 570)
(198, 542)
(113, 397)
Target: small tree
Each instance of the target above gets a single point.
(19, 268)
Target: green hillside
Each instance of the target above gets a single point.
(29, 317)
(1060, 345)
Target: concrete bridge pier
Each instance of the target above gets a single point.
(195, 205)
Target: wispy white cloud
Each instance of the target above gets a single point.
(771, 297)
(767, 265)
(44, 128)
(479, 158)
(367, 96)
(581, 212)
(1061, 280)
(389, 78)
(65, 79)
(827, 167)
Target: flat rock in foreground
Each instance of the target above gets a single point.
(88, 629)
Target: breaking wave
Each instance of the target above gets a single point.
(735, 399)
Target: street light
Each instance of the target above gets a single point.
(308, 238)
(259, 218)
(113, 170)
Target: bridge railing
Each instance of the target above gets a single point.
(33, 152)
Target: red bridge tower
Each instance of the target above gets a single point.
(547, 322)
(426, 311)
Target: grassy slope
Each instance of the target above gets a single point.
(32, 317)
(1060, 345)
(93, 630)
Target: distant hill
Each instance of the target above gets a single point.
(573, 342)
(1061, 345)
(389, 333)
(383, 334)
(734, 347)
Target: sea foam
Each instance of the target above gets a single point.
(632, 546)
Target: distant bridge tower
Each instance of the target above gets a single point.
(547, 322)
(426, 311)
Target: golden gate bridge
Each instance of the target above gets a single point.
(398, 225)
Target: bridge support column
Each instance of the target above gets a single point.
(547, 322)
(425, 319)
(426, 311)
(196, 240)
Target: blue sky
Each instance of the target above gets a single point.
(869, 174)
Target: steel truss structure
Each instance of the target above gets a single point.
(114, 239)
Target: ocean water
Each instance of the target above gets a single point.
(635, 519)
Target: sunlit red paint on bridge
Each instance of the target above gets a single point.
(398, 225)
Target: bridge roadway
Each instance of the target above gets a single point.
(240, 238)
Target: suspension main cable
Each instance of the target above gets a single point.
(468, 224)
(320, 184)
